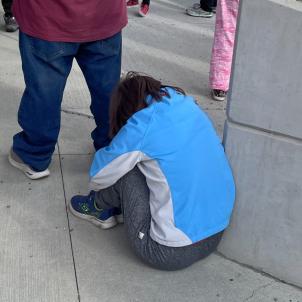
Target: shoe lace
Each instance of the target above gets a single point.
(92, 199)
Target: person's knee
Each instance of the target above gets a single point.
(134, 177)
(135, 173)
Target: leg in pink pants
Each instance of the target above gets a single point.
(222, 52)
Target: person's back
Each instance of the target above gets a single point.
(187, 173)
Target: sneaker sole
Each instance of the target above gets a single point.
(217, 98)
(103, 224)
(26, 170)
(198, 16)
(201, 16)
(11, 29)
(141, 14)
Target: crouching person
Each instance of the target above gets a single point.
(165, 174)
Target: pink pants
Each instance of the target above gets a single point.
(222, 52)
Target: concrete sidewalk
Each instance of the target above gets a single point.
(46, 254)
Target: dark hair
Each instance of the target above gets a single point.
(130, 97)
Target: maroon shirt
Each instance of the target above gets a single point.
(71, 20)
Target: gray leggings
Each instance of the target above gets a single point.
(132, 193)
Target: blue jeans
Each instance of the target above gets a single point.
(46, 66)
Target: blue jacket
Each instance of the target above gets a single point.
(175, 146)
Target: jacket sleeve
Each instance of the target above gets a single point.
(121, 156)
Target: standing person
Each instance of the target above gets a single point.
(52, 35)
(205, 9)
(223, 46)
(11, 24)
(144, 7)
(166, 169)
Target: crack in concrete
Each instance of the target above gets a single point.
(256, 290)
(71, 112)
(68, 224)
(275, 279)
(265, 131)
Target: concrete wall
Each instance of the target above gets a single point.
(263, 139)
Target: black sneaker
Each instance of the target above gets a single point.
(197, 11)
(219, 95)
(11, 24)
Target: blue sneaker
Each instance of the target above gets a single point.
(84, 207)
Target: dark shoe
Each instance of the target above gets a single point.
(11, 24)
(84, 207)
(196, 11)
(219, 95)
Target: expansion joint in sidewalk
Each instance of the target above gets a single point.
(68, 223)
(256, 290)
(72, 112)
(273, 278)
(265, 131)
